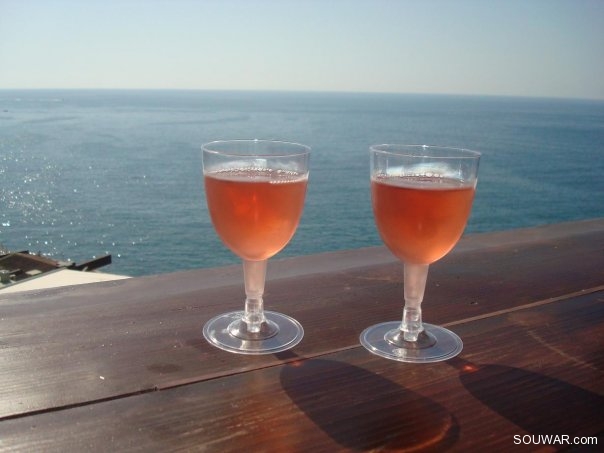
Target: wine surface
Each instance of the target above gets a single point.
(255, 212)
(420, 219)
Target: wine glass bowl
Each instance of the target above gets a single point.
(255, 191)
(421, 198)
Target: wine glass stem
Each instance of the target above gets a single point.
(254, 274)
(415, 284)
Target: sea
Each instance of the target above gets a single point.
(84, 173)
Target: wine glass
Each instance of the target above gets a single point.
(255, 192)
(421, 197)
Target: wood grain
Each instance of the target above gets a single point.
(508, 381)
(123, 365)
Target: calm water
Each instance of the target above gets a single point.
(84, 173)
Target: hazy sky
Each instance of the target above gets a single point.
(500, 47)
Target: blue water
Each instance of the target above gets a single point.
(84, 173)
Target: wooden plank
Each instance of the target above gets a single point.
(67, 346)
(93, 264)
(525, 372)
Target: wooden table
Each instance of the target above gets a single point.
(122, 366)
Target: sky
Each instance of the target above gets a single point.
(544, 48)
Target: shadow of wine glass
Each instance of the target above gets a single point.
(361, 410)
(536, 403)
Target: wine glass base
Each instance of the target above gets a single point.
(218, 333)
(444, 345)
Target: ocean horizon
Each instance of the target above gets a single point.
(92, 172)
